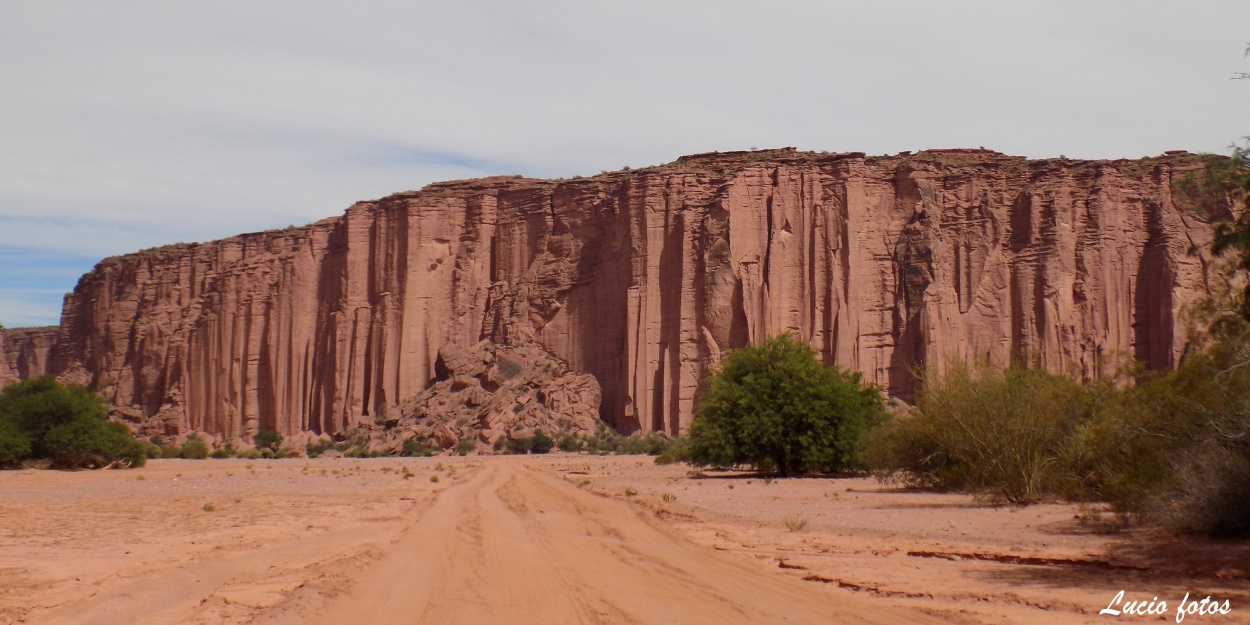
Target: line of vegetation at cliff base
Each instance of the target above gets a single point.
(1169, 448)
(42, 419)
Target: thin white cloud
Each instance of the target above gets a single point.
(130, 124)
(20, 308)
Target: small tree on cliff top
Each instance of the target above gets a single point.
(777, 408)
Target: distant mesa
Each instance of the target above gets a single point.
(639, 279)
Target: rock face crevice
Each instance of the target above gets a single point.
(642, 279)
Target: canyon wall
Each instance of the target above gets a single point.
(643, 279)
(24, 352)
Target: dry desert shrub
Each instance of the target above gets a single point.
(794, 522)
(1001, 433)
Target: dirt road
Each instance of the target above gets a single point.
(558, 539)
(515, 545)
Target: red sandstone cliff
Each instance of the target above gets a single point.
(643, 278)
(24, 352)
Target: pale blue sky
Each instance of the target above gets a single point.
(126, 125)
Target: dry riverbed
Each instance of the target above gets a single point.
(562, 539)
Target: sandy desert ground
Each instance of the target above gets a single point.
(562, 539)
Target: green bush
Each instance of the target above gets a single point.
(362, 452)
(541, 443)
(14, 444)
(41, 418)
(251, 454)
(37, 405)
(569, 442)
(268, 439)
(317, 447)
(194, 448)
(92, 443)
(650, 444)
(1209, 493)
(466, 445)
(417, 447)
(678, 451)
(171, 451)
(520, 445)
(605, 441)
(1007, 434)
(153, 450)
(1175, 449)
(226, 451)
(777, 408)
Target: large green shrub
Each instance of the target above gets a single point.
(92, 443)
(777, 408)
(417, 447)
(521, 445)
(14, 444)
(541, 443)
(316, 447)
(194, 448)
(1175, 448)
(268, 439)
(37, 405)
(1003, 433)
(569, 442)
(677, 451)
(41, 418)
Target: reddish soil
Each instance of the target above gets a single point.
(562, 539)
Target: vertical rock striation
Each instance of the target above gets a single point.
(643, 279)
(24, 352)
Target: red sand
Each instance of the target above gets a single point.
(562, 539)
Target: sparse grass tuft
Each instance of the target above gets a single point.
(794, 522)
